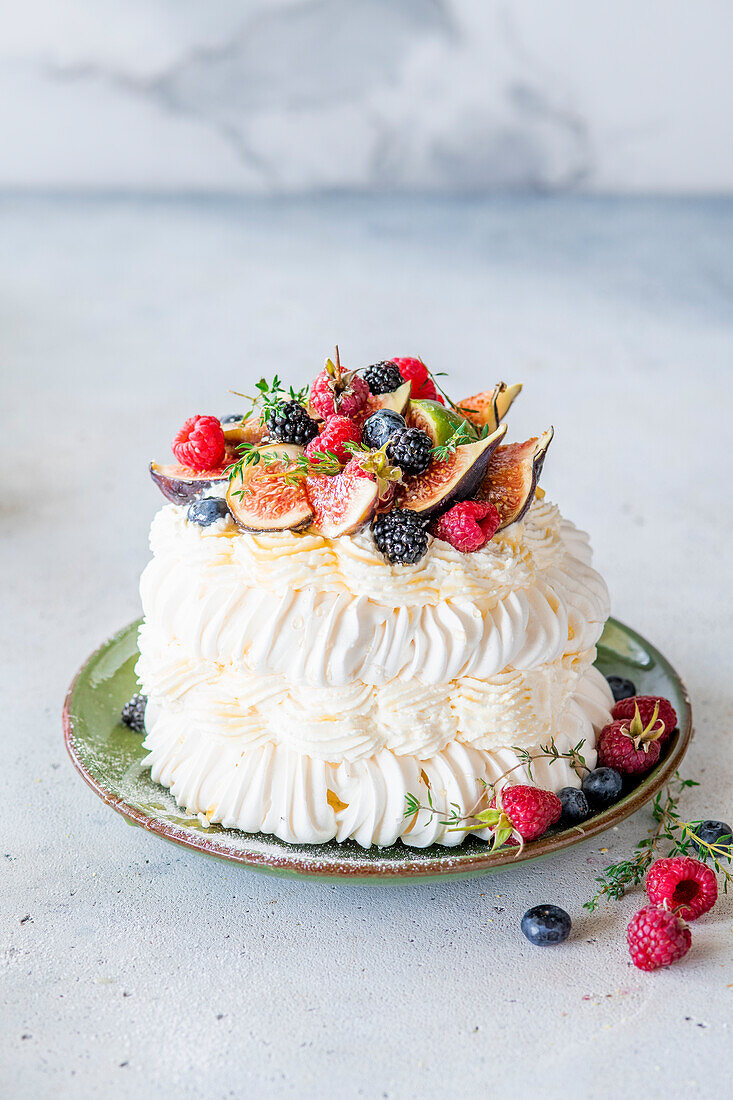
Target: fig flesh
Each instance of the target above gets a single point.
(491, 406)
(511, 479)
(449, 480)
(396, 401)
(236, 432)
(439, 421)
(341, 504)
(182, 485)
(263, 499)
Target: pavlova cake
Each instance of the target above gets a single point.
(363, 619)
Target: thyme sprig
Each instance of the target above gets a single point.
(254, 454)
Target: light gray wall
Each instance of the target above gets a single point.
(298, 95)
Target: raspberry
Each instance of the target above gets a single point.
(200, 443)
(530, 809)
(646, 703)
(401, 536)
(657, 938)
(334, 434)
(415, 371)
(335, 392)
(383, 378)
(682, 884)
(468, 526)
(630, 747)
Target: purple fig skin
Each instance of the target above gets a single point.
(472, 461)
(179, 489)
(538, 461)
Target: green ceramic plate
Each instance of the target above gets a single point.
(109, 757)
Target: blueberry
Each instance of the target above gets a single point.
(602, 787)
(207, 511)
(544, 925)
(380, 426)
(713, 832)
(575, 806)
(232, 418)
(621, 688)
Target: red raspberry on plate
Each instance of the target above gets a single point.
(630, 747)
(468, 526)
(530, 809)
(336, 392)
(646, 703)
(415, 371)
(682, 884)
(200, 443)
(336, 432)
(657, 938)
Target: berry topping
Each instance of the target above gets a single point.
(335, 433)
(657, 938)
(380, 427)
(602, 787)
(468, 525)
(383, 378)
(544, 925)
(343, 503)
(626, 708)
(631, 747)
(290, 423)
(133, 713)
(574, 804)
(718, 833)
(200, 443)
(207, 511)
(411, 450)
(621, 688)
(401, 536)
(231, 418)
(530, 809)
(682, 884)
(336, 391)
(415, 371)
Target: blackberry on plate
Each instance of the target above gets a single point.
(207, 511)
(621, 688)
(712, 832)
(380, 427)
(401, 536)
(290, 423)
(602, 787)
(410, 449)
(133, 713)
(575, 806)
(383, 377)
(545, 925)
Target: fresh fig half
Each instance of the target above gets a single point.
(251, 429)
(397, 401)
(512, 477)
(438, 421)
(265, 497)
(490, 407)
(182, 485)
(448, 480)
(341, 504)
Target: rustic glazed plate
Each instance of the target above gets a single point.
(109, 756)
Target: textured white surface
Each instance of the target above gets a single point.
(131, 966)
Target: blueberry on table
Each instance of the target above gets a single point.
(380, 427)
(207, 511)
(545, 925)
(621, 688)
(602, 787)
(713, 832)
(133, 713)
(575, 806)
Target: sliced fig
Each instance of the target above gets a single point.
(491, 406)
(511, 479)
(439, 421)
(448, 480)
(182, 485)
(263, 499)
(396, 401)
(250, 430)
(341, 504)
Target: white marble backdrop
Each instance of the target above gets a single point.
(284, 96)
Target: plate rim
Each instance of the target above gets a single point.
(452, 864)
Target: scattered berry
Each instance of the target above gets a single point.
(602, 787)
(411, 450)
(713, 832)
(290, 423)
(415, 371)
(335, 433)
(468, 525)
(544, 925)
(336, 391)
(401, 536)
(200, 443)
(207, 511)
(383, 377)
(574, 804)
(657, 938)
(133, 713)
(232, 418)
(682, 884)
(626, 708)
(380, 427)
(530, 809)
(621, 688)
(629, 746)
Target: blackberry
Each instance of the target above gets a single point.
(410, 449)
(401, 536)
(383, 377)
(602, 787)
(380, 427)
(290, 423)
(621, 688)
(545, 925)
(207, 511)
(133, 713)
(575, 806)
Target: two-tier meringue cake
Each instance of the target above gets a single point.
(359, 601)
